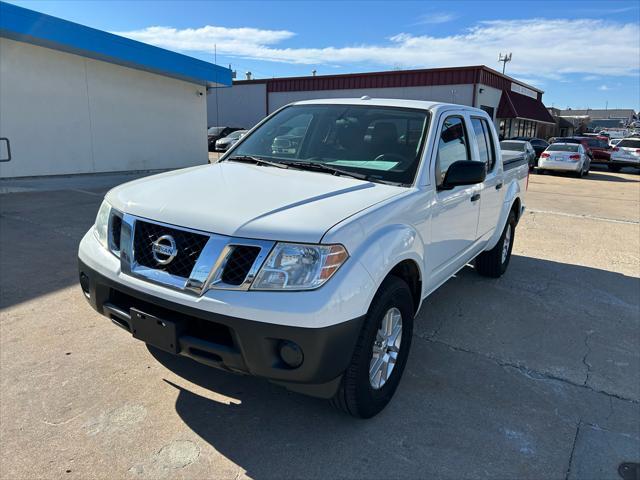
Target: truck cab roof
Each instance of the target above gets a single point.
(391, 102)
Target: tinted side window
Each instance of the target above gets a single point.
(452, 146)
(485, 142)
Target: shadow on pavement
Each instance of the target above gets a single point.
(456, 414)
(39, 238)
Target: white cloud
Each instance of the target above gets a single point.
(604, 88)
(542, 48)
(435, 18)
(237, 41)
(590, 78)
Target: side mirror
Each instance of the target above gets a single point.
(464, 172)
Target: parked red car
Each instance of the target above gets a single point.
(600, 147)
(597, 148)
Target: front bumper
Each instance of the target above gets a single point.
(234, 344)
(625, 162)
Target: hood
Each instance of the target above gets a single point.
(250, 201)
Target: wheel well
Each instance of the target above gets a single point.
(516, 209)
(408, 271)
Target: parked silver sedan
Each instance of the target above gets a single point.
(566, 157)
(513, 148)
(225, 143)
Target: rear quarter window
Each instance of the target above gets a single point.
(629, 143)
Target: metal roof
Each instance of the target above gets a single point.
(598, 113)
(28, 26)
(479, 74)
(516, 105)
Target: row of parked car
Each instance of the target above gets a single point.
(221, 138)
(575, 154)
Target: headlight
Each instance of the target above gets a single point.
(295, 266)
(101, 227)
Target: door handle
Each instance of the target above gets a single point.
(499, 186)
(475, 197)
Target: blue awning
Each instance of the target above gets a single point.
(26, 25)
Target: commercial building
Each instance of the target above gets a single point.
(562, 127)
(516, 107)
(75, 99)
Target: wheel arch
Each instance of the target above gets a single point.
(409, 271)
(513, 202)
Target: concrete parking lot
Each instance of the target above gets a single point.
(532, 376)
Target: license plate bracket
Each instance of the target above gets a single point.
(155, 331)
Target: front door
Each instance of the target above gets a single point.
(455, 212)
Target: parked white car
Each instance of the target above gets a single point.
(626, 153)
(566, 157)
(308, 267)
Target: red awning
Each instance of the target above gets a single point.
(516, 105)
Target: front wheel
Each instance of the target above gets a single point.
(494, 262)
(381, 352)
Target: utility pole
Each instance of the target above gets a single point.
(504, 60)
(215, 61)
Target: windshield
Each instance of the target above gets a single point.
(383, 143)
(516, 146)
(215, 130)
(629, 143)
(562, 148)
(597, 143)
(566, 140)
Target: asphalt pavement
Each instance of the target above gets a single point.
(535, 375)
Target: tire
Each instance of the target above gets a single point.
(493, 263)
(356, 394)
(614, 168)
(580, 173)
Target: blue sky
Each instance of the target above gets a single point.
(582, 54)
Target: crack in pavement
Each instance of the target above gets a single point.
(573, 449)
(529, 373)
(584, 358)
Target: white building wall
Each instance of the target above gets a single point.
(461, 94)
(490, 97)
(64, 114)
(237, 106)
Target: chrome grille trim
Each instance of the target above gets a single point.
(208, 269)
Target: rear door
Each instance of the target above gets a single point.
(456, 211)
(492, 193)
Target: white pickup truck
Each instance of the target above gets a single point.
(307, 266)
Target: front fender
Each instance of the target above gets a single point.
(387, 247)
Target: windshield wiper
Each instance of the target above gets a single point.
(322, 167)
(256, 160)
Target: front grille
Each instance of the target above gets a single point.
(239, 263)
(189, 245)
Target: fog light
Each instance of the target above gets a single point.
(291, 353)
(85, 285)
